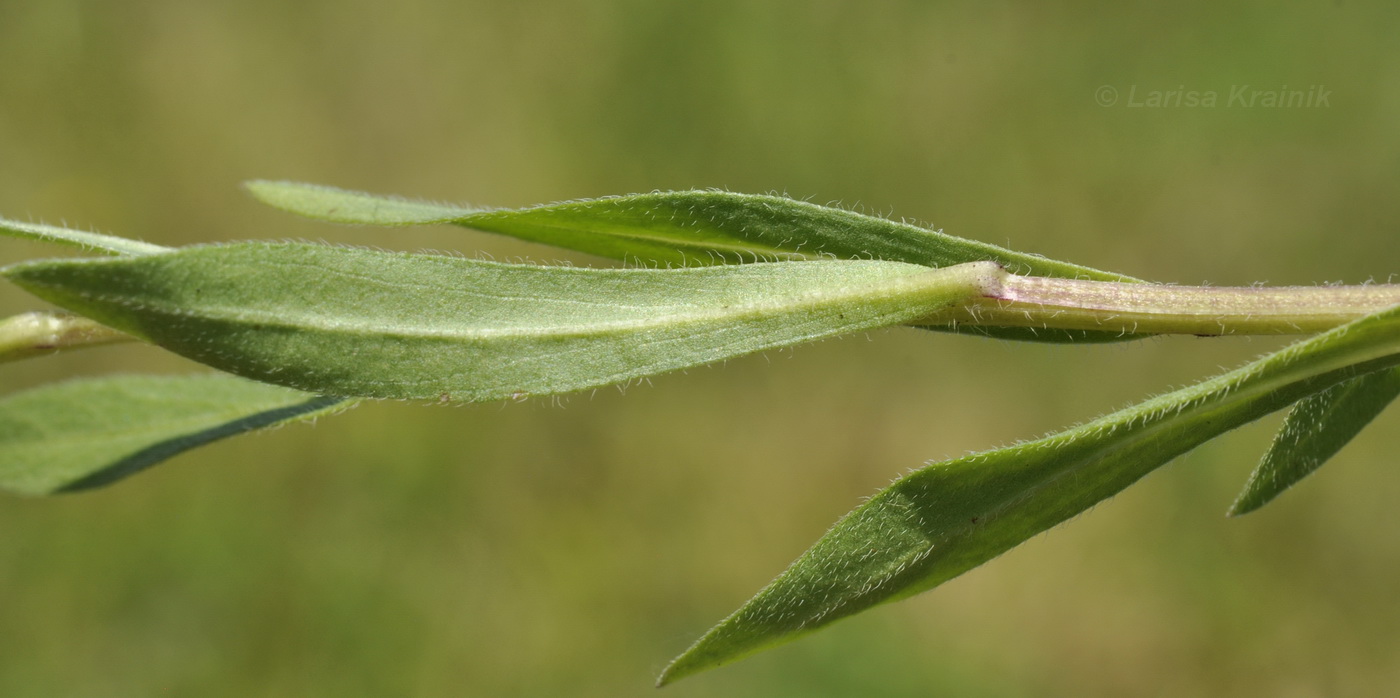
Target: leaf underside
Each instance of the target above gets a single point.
(89, 433)
(950, 517)
(688, 228)
(1316, 428)
(363, 323)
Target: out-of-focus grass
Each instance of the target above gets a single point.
(541, 550)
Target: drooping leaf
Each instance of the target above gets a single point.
(1316, 428)
(698, 227)
(76, 238)
(375, 324)
(950, 517)
(92, 432)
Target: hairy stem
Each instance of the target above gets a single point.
(39, 333)
(1008, 300)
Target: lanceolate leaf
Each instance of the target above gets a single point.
(361, 323)
(88, 433)
(949, 517)
(684, 227)
(1315, 429)
(699, 227)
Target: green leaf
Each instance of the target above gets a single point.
(684, 227)
(76, 238)
(363, 323)
(947, 518)
(89, 433)
(697, 227)
(1314, 431)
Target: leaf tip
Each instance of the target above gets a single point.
(336, 205)
(275, 192)
(1242, 507)
(679, 668)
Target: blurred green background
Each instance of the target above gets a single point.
(545, 549)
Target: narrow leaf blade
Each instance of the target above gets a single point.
(950, 517)
(363, 323)
(90, 433)
(697, 227)
(683, 227)
(1316, 428)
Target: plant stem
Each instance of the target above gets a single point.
(1008, 300)
(38, 333)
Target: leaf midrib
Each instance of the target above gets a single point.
(291, 320)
